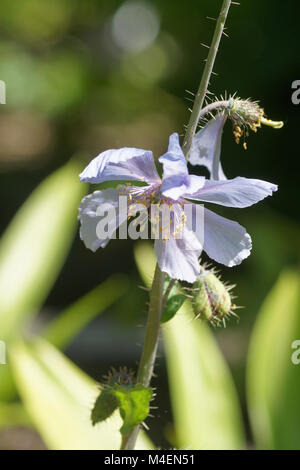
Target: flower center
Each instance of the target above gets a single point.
(167, 217)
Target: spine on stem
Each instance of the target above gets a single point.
(200, 96)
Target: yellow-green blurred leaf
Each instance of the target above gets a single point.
(34, 247)
(33, 250)
(13, 414)
(273, 381)
(145, 261)
(204, 399)
(58, 397)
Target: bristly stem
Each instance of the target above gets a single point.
(200, 96)
(150, 345)
(156, 296)
(152, 329)
(213, 107)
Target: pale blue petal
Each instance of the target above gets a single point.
(89, 219)
(206, 147)
(225, 241)
(176, 186)
(176, 179)
(179, 257)
(174, 162)
(238, 192)
(121, 164)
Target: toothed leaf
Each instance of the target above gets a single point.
(104, 406)
(133, 403)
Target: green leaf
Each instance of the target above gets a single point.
(204, 400)
(35, 245)
(132, 401)
(58, 397)
(32, 252)
(174, 302)
(133, 405)
(104, 406)
(273, 381)
(145, 260)
(71, 321)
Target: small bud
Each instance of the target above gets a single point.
(123, 376)
(211, 298)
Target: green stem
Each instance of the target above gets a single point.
(156, 297)
(152, 329)
(147, 361)
(200, 96)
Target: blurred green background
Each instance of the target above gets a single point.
(84, 76)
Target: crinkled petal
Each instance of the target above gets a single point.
(225, 241)
(121, 164)
(175, 258)
(89, 219)
(206, 147)
(176, 179)
(179, 257)
(238, 192)
(175, 187)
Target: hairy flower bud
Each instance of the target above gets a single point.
(211, 298)
(123, 376)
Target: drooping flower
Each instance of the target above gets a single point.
(224, 240)
(206, 146)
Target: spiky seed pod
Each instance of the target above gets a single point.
(211, 298)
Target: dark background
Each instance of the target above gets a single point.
(84, 76)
